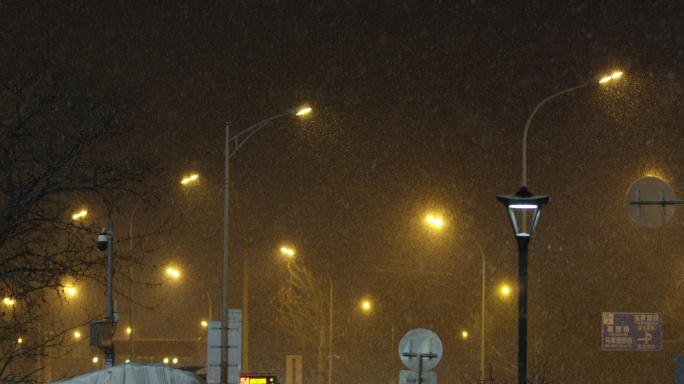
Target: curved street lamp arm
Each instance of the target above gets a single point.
(254, 129)
(527, 125)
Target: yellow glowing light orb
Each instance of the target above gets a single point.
(20, 340)
(166, 360)
(128, 330)
(204, 324)
(8, 301)
(189, 179)
(77, 335)
(505, 290)
(172, 272)
(95, 359)
(303, 111)
(70, 291)
(435, 221)
(287, 250)
(175, 360)
(79, 215)
(465, 334)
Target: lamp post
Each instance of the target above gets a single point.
(330, 331)
(522, 207)
(240, 139)
(438, 223)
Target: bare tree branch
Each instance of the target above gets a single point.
(300, 312)
(62, 143)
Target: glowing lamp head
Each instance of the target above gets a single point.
(189, 179)
(436, 222)
(611, 77)
(302, 111)
(523, 209)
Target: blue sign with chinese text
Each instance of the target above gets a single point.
(632, 331)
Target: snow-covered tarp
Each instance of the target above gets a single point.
(136, 373)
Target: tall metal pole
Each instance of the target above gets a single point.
(482, 346)
(109, 352)
(130, 293)
(523, 242)
(330, 353)
(482, 333)
(224, 315)
(527, 124)
(245, 311)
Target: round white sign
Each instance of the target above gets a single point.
(650, 215)
(420, 344)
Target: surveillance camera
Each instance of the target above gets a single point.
(102, 241)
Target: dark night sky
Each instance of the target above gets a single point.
(419, 106)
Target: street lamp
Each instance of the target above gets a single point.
(176, 274)
(522, 207)
(438, 223)
(240, 139)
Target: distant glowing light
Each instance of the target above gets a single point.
(287, 250)
(189, 179)
(366, 305)
(173, 272)
(8, 301)
(128, 330)
(20, 340)
(505, 290)
(175, 360)
(95, 359)
(303, 111)
(77, 335)
(79, 215)
(166, 360)
(70, 291)
(204, 324)
(436, 222)
(464, 334)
